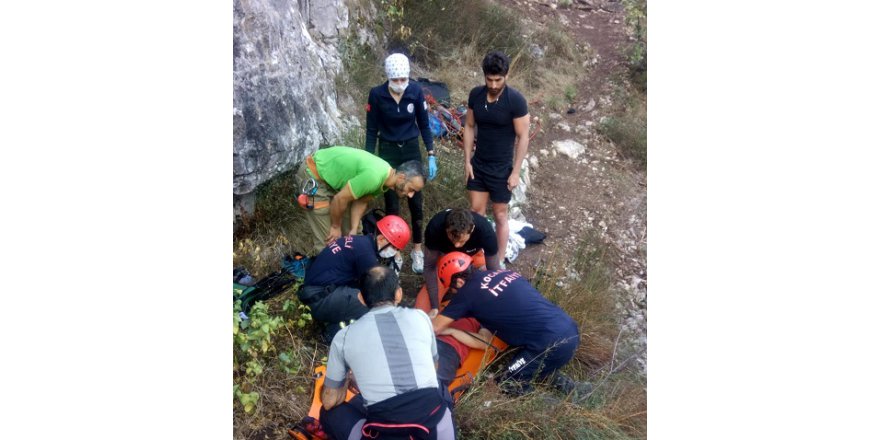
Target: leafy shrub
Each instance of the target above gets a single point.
(252, 343)
(570, 94)
(362, 67)
(627, 127)
(253, 337)
(637, 52)
(449, 38)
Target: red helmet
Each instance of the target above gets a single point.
(395, 230)
(451, 264)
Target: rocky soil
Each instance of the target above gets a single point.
(578, 183)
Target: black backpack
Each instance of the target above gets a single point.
(369, 221)
(268, 287)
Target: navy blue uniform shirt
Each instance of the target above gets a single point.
(397, 122)
(506, 303)
(343, 262)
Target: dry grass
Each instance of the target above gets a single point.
(460, 23)
(262, 239)
(362, 67)
(627, 126)
(450, 45)
(284, 397)
(616, 409)
(617, 413)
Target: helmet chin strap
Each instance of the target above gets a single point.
(387, 244)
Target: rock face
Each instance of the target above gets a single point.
(284, 98)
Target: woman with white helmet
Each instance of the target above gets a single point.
(396, 115)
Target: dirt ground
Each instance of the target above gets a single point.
(599, 192)
(572, 194)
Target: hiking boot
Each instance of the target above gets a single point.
(418, 261)
(579, 391)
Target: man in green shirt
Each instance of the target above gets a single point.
(347, 179)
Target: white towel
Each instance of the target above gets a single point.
(515, 242)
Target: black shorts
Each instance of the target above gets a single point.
(448, 362)
(492, 181)
(339, 305)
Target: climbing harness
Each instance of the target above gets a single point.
(306, 198)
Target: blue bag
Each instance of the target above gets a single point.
(436, 125)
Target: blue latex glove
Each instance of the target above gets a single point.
(432, 167)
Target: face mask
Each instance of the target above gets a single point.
(388, 252)
(398, 88)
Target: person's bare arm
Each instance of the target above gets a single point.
(338, 205)
(440, 323)
(358, 208)
(480, 340)
(469, 144)
(485, 334)
(332, 397)
(521, 127)
(430, 275)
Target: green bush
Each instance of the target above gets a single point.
(252, 340)
(628, 129)
(271, 359)
(362, 67)
(637, 52)
(448, 39)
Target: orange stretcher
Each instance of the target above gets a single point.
(471, 366)
(315, 410)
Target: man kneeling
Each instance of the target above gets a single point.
(330, 288)
(391, 354)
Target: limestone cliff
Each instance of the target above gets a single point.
(285, 59)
